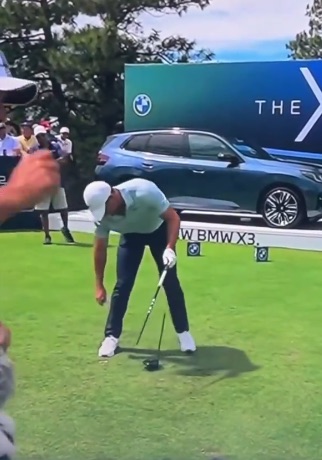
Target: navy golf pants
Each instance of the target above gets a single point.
(129, 256)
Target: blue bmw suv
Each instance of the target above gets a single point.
(202, 171)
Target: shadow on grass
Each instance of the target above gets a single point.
(221, 361)
(77, 245)
(103, 457)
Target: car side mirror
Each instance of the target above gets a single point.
(228, 157)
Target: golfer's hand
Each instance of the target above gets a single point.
(101, 295)
(169, 258)
(35, 177)
(5, 337)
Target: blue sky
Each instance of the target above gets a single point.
(236, 29)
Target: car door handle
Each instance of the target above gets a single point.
(147, 165)
(198, 171)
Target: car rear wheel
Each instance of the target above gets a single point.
(283, 208)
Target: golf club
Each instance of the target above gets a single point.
(154, 363)
(160, 283)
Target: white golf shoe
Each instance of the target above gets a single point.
(108, 347)
(187, 343)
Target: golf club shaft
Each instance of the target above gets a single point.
(161, 335)
(160, 283)
(162, 277)
(144, 324)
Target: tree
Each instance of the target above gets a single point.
(308, 44)
(28, 39)
(80, 70)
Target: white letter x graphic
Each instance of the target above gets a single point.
(317, 114)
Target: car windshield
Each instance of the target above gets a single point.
(250, 149)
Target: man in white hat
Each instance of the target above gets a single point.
(139, 211)
(64, 141)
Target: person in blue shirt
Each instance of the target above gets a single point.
(139, 211)
(58, 200)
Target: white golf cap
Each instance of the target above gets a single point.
(64, 130)
(39, 130)
(17, 91)
(95, 196)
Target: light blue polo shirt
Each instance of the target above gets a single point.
(144, 204)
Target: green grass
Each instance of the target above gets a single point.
(251, 392)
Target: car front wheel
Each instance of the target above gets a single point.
(283, 208)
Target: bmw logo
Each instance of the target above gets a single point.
(193, 249)
(261, 254)
(142, 105)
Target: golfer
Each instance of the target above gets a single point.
(139, 211)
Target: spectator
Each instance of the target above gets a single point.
(50, 136)
(68, 168)
(58, 200)
(28, 141)
(46, 125)
(9, 145)
(3, 111)
(12, 128)
(65, 142)
(44, 140)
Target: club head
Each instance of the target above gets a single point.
(152, 365)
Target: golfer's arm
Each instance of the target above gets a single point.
(100, 257)
(173, 226)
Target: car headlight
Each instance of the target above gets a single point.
(313, 175)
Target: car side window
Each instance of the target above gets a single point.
(166, 144)
(206, 147)
(137, 143)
